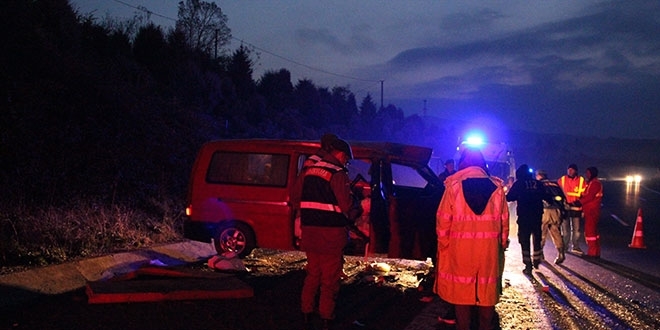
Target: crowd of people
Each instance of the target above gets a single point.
(472, 225)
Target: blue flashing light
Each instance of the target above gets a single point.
(474, 141)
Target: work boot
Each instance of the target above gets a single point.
(528, 269)
(560, 256)
(576, 250)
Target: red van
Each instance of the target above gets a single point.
(239, 195)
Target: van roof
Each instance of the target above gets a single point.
(405, 154)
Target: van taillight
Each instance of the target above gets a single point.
(189, 210)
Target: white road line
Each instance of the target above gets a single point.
(651, 190)
(625, 224)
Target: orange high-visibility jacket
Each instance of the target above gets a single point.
(573, 187)
(470, 246)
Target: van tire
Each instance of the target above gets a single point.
(235, 237)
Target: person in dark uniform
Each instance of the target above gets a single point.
(529, 194)
(449, 170)
(326, 207)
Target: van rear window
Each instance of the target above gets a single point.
(248, 169)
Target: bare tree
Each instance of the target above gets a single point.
(204, 25)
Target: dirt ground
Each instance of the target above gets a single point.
(369, 299)
(395, 300)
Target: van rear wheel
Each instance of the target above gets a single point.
(237, 238)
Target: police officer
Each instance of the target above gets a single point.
(326, 207)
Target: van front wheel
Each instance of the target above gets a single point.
(237, 238)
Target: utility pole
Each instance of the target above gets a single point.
(381, 94)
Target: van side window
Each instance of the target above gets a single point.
(248, 169)
(407, 177)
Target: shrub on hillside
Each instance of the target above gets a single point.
(56, 234)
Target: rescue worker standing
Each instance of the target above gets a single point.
(472, 223)
(552, 210)
(590, 202)
(326, 207)
(529, 194)
(573, 186)
(326, 148)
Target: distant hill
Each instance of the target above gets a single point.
(613, 157)
(553, 152)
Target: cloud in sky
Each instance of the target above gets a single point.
(578, 67)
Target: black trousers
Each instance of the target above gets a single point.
(529, 230)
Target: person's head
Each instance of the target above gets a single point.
(471, 157)
(523, 172)
(572, 170)
(591, 173)
(326, 141)
(341, 150)
(449, 165)
(541, 175)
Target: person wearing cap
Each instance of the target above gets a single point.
(449, 170)
(472, 224)
(552, 214)
(590, 202)
(528, 193)
(326, 146)
(573, 186)
(326, 208)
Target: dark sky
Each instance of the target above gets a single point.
(587, 67)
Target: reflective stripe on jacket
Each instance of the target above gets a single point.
(319, 206)
(470, 245)
(573, 187)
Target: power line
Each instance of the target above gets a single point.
(305, 65)
(146, 10)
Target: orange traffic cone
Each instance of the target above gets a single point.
(638, 236)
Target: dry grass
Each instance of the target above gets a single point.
(55, 234)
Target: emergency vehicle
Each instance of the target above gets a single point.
(499, 157)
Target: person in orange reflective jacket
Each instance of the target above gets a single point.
(573, 186)
(472, 224)
(590, 202)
